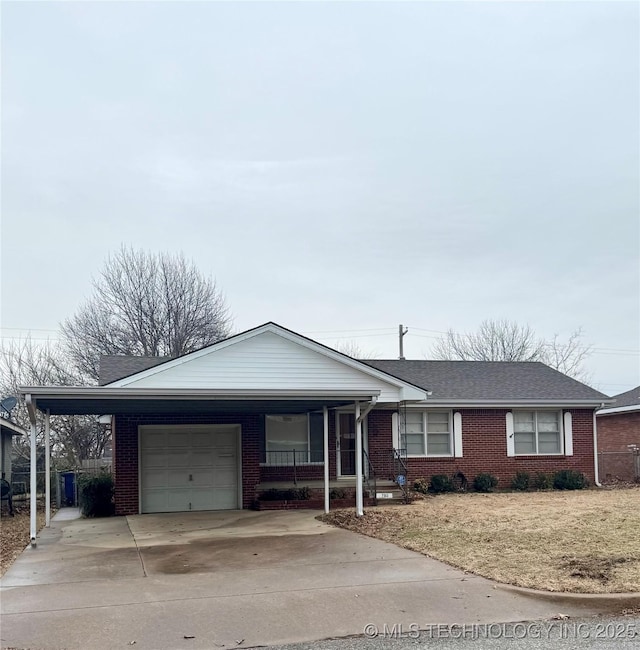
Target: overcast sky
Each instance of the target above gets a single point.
(335, 166)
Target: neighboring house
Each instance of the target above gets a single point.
(8, 429)
(619, 435)
(214, 428)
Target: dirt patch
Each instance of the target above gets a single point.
(15, 535)
(521, 538)
(593, 567)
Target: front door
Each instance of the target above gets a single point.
(346, 444)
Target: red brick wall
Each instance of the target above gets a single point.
(484, 446)
(125, 452)
(616, 432)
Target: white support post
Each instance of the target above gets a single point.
(359, 477)
(33, 504)
(47, 469)
(325, 414)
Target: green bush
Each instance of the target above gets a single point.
(421, 485)
(441, 483)
(338, 493)
(291, 494)
(569, 479)
(484, 482)
(521, 481)
(543, 481)
(95, 495)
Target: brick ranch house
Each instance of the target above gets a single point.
(619, 437)
(215, 428)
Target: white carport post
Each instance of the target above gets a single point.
(325, 415)
(47, 469)
(359, 477)
(31, 408)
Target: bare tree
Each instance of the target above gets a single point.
(568, 357)
(353, 349)
(145, 304)
(508, 341)
(494, 341)
(73, 438)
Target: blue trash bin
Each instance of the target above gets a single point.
(69, 491)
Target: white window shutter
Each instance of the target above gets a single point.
(511, 442)
(568, 434)
(457, 435)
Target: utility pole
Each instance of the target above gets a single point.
(401, 332)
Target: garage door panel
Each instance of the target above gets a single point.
(202, 458)
(224, 477)
(154, 439)
(202, 478)
(179, 457)
(178, 499)
(155, 458)
(178, 439)
(189, 468)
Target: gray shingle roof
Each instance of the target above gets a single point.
(629, 398)
(466, 380)
(119, 366)
(487, 380)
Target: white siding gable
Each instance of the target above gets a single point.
(266, 361)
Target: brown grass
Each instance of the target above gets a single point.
(585, 541)
(15, 535)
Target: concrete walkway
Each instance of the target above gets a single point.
(234, 579)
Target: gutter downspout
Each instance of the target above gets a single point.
(31, 408)
(596, 471)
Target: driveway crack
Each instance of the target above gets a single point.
(135, 541)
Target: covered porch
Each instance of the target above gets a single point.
(258, 464)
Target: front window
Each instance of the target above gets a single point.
(426, 433)
(294, 439)
(537, 432)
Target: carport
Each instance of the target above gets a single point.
(98, 400)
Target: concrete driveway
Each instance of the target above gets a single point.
(234, 579)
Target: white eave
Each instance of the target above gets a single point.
(509, 403)
(619, 409)
(12, 427)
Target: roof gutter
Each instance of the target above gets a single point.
(619, 409)
(513, 403)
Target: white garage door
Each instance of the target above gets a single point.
(189, 468)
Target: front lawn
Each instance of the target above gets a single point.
(583, 541)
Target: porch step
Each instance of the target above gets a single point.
(387, 496)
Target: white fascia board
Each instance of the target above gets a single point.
(103, 392)
(619, 409)
(408, 391)
(484, 404)
(12, 427)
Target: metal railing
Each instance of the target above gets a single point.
(291, 464)
(400, 472)
(370, 478)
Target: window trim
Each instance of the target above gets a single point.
(308, 450)
(425, 433)
(560, 417)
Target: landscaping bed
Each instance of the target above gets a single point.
(15, 535)
(585, 541)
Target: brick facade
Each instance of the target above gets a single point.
(615, 433)
(484, 448)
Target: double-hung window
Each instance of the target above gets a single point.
(294, 439)
(537, 432)
(426, 433)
